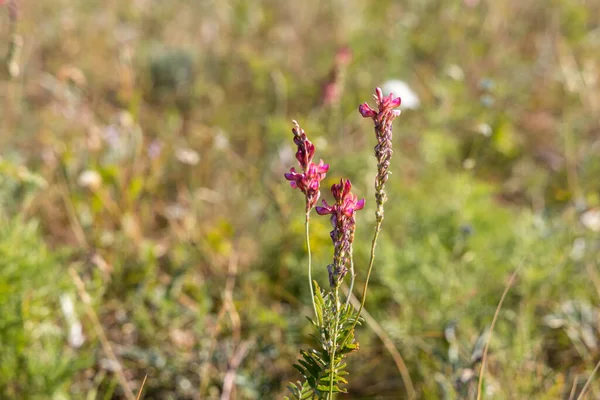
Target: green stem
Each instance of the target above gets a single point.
(336, 295)
(352, 278)
(310, 281)
(371, 261)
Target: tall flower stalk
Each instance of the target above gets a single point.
(344, 224)
(382, 117)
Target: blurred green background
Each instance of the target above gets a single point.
(146, 227)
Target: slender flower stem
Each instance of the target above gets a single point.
(383, 118)
(371, 261)
(352, 278)
(336, 294)
(310, 281)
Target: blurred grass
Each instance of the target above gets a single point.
(190, 241)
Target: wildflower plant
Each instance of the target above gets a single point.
(323, 368)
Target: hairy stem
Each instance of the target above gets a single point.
(336, 294)
(310, 281)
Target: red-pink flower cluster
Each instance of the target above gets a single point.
(344, 224)
(309, 180)
(346, 203)
(385, 105)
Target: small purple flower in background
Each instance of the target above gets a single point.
(309, 180)
(344, 224)
(155, 149)
(112, 136)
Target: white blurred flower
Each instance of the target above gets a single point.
(221, 141)
(410, 100)
(469, 163)
(75, 337)
(109, 365)
(484, 129)
(90, 179)
(126, 119)
(187, 156)
(591, 219)
(175, 211)
(184, 384)
(578, 249)
(455, 72)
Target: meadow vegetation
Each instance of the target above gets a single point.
(146, 227)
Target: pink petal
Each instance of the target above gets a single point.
(347, 188)
(322, 167)
(292, 175)
(360, 205)
(326, 209)
(378, 95)
(335, 190)
(395, 102)
(366, 111)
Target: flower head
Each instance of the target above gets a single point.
(306, 150)
(385, 105)
(309, 180)
(346, 203)
(344, 224)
